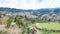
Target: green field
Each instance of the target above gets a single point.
(54, 26)
(50, 26)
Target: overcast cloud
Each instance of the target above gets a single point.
(30, 4)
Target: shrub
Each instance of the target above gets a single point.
(45, 31)
(9, 22)
(3, 32)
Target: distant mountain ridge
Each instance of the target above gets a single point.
(43, 10)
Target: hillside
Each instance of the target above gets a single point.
(49, 14)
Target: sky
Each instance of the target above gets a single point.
(30, 4)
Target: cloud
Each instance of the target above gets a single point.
(30, 4)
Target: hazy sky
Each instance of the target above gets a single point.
(30, 4)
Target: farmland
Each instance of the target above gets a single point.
(49, 26)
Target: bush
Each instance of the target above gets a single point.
(8, 23)
(45, 31)
(3, 32)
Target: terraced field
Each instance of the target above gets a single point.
(49, 26)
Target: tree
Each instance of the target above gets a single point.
(33, 21)
(9, 22)
(26, 17)
(18, 22)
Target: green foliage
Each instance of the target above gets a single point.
(9, 22)
(45, 31)
(32, 21)
(3, 32)
(28, 30)
(8, 25)
(18, 22)
(26, 18)
(23, 31)
(40, 21)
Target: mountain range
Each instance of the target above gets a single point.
(49, 14)
(21, 10)
(35, 12)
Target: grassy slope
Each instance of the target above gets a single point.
(54, 26)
